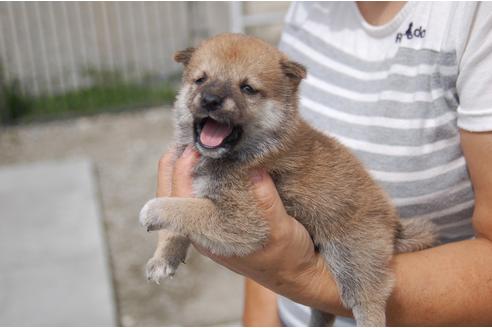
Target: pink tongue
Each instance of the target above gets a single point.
(213, 133)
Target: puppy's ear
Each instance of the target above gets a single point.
(184, 56)
(294, 71)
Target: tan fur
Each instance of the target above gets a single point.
(322, 185)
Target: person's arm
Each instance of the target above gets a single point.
(446, 285)
(260, 306)
(452, 284)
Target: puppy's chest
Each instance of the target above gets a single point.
(204, 186)
(218, 186)
(232, 186)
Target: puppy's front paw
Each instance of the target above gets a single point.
(150, 215)
(158, 268)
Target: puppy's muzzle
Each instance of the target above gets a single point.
(211, 102)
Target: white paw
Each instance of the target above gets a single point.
(149, 216)
(158, 268)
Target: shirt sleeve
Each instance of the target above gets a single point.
(474, 83)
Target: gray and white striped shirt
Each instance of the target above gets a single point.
(396, 95)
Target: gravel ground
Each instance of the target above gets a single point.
(125, 149)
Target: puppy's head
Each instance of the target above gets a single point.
(239, 96)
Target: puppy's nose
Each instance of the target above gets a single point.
(211, 102)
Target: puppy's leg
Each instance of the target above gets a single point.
(370, 315)
(170, 252)
(228, 230)
(363, 278)
(321, 319)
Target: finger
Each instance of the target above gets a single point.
(266, 195)
(182, 174)
(164, 173)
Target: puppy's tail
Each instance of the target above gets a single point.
(415, 235)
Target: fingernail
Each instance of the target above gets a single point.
(256, 175)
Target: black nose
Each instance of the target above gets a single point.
(211, 102)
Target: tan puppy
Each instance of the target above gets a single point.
(238, 107)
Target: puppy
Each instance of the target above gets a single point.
(238, 107)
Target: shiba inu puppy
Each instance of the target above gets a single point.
(238, 107)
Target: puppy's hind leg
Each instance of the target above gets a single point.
(321, 319)
(363, 278)
(369, 315)
(170, 253)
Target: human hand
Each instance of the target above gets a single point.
(288, 263)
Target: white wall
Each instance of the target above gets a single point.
(49, 45)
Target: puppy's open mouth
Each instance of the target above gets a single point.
(212, 134)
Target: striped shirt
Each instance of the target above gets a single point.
(396, 96)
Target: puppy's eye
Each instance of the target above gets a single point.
(201, 80)
(249, 90)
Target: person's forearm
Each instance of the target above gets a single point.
(438, 286)
(444, 285)
(260, 306)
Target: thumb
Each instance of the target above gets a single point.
(266, 194)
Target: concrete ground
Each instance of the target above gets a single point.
(54, 265)
(125, 149)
